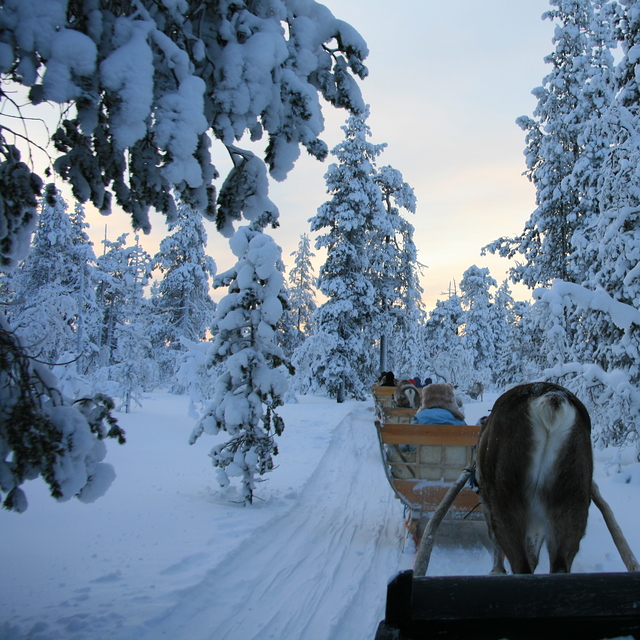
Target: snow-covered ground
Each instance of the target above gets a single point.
(167, 554)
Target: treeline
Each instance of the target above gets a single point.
(99, 321)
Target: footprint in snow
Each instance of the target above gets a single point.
(185, 564)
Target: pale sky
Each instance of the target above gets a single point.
(446, 83)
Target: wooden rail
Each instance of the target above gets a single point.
(429, 434)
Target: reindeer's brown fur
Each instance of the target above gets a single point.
(529, 497)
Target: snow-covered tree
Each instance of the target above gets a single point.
(348, 222)
(54, 307)
(479, 335)
(511, 345)
(448, 358)
(287, 333)
(394, 269)
(406, 352)
(301, 294)
(112, 266)
(612, 245)
(126, 350)
(182, 299)
(295, 325)
(250, 388)
(88, 313)
(183, 293)
(608, 248)
(562, 153)
(46, 306)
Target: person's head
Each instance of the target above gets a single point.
(440, 396)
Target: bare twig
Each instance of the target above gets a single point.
(25, 138)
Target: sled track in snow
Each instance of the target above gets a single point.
(333, 555)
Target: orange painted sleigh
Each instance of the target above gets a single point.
(422, 461)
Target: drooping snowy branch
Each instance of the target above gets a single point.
(152, 82)
(622, 315)
(42, 433)
(607, 375)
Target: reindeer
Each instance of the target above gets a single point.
(476, 390)
(534, 470)
(407, 395)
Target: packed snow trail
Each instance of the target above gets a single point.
(167, 554)
(308, 574)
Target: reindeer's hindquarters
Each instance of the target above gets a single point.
(535, 469)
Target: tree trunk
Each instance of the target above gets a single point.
(383, 353)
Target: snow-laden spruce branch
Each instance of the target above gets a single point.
(47, 434)
(621, 314)
(616, 380)
(153, 84)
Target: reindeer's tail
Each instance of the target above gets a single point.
(553, 411)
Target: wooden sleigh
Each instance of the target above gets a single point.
(422, 462)
(520, 607)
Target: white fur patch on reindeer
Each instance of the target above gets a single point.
(551, 424)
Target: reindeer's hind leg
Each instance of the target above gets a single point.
(508, 541)
(498, 553)
(498, 557)
(520, 559)
(563, 541)
(514, 540)
(562, 551)
(567, 501)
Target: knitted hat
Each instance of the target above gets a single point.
(440, 396)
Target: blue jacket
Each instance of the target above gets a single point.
(436, 416)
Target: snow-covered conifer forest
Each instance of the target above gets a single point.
(92, 335)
